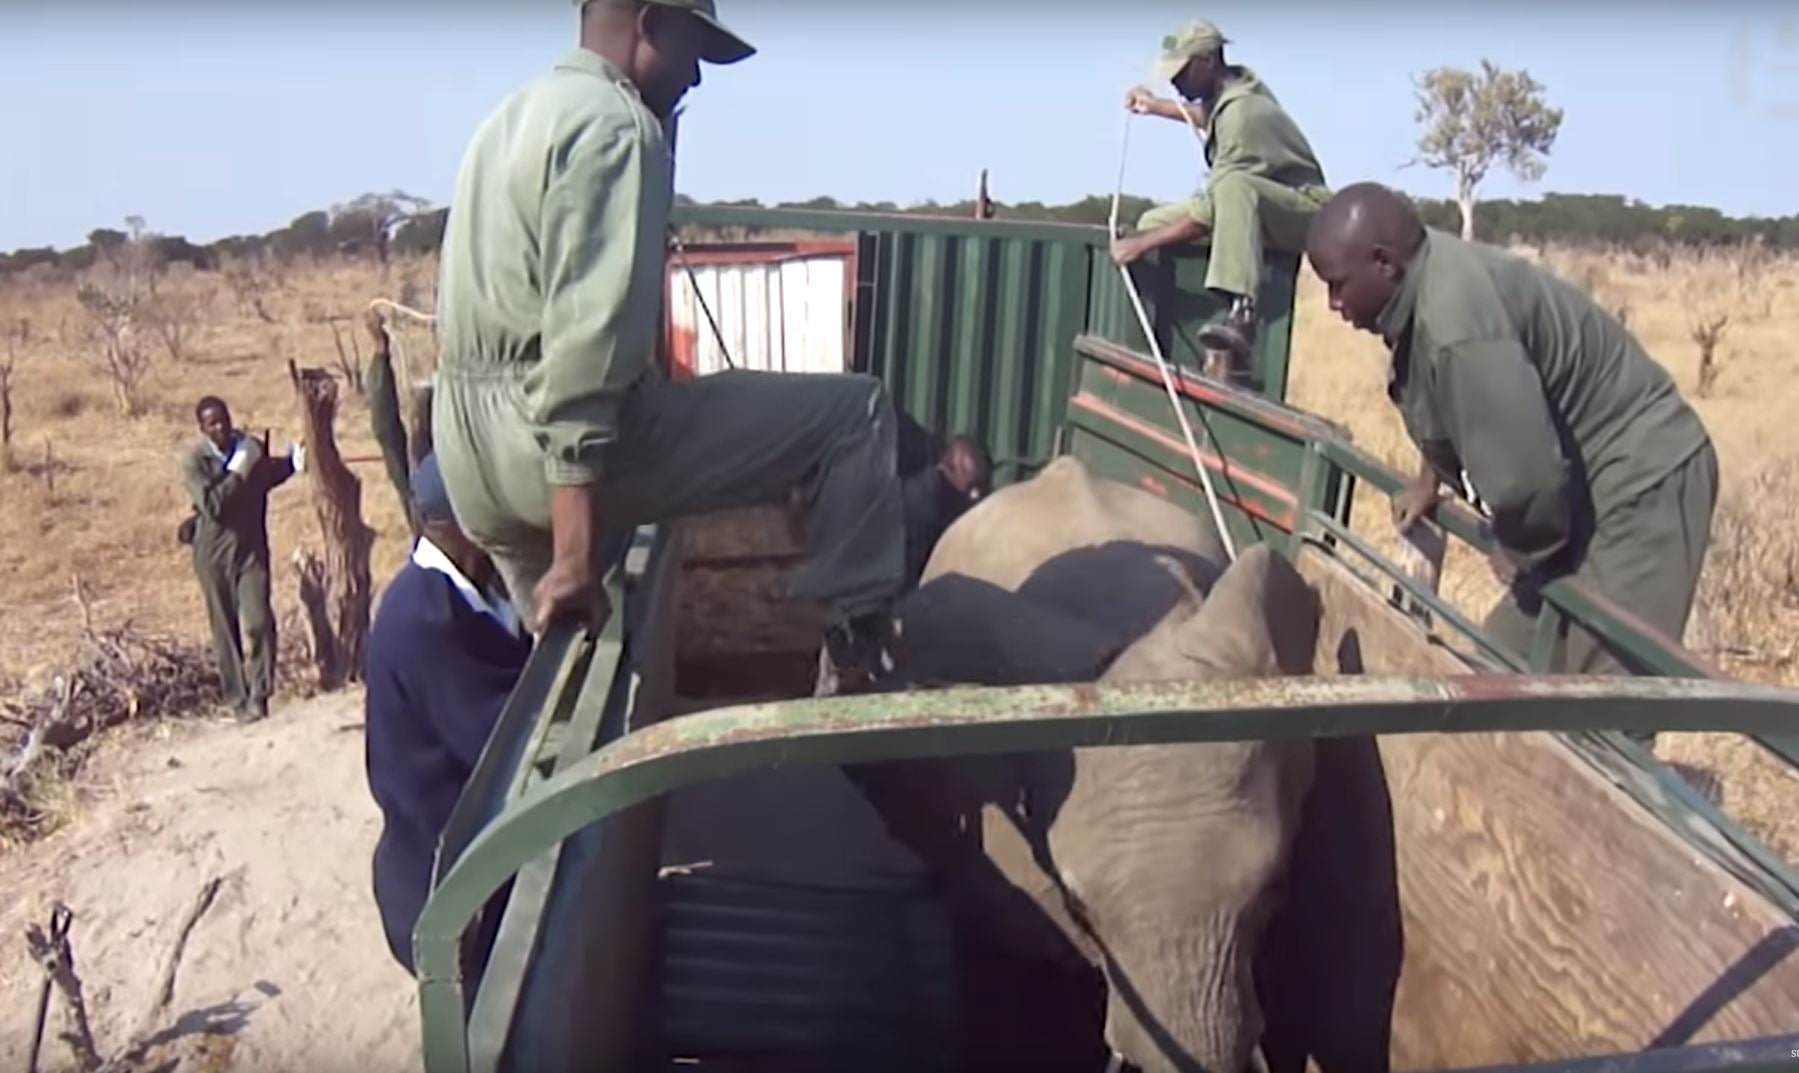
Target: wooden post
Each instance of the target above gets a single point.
(337, 499)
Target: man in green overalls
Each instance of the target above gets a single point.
(554, 431)
(1263, 186)
(1580, 445)
(229, 476)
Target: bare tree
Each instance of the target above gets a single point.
(17, 338)
(174, 316)
(1475, 120)
(373, 218)
(1708, 334)
(251, 285)
(115, 342)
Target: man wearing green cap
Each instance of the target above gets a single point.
(554, 430)
(1263, 187)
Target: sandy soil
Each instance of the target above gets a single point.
(287, 970)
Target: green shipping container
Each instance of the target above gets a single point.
(968, 321)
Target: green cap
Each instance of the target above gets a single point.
(722, 46)
(1195, 38)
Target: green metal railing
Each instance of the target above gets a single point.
(566, 757)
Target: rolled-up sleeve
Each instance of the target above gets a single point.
(604, 229)
(1502, 428)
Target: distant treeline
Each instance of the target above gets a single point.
(1574, 219)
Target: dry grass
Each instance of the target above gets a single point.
(97, 494)
(1746, 617)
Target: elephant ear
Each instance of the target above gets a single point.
(959, 629)
(1159, 655)
(1260, 620)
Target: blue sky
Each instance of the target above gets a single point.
(210, 119)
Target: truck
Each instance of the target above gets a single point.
(669, 870)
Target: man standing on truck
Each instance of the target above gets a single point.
(554, 430)
(1580, 445)
(445, 650)
(228, 476)
(1263, 186)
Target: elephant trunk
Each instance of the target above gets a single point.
(1187, 1002)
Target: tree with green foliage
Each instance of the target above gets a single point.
(1473, 120)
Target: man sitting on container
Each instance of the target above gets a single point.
(1263, 186)
(444, 652)
(553, 426)
(1580, 445)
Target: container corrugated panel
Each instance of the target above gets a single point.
(810, 978)
(971, 322)
(782, 315)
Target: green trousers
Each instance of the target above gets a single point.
(236, 591)
(732, 439)
(1243, 215)
(1646, 556)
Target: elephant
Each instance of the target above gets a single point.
(1159, 866)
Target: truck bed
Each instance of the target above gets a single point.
(1518, 870)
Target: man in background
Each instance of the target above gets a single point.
(939, 482)
(445, 650)
(1263, 186)
(1590, 463)
(228, 476)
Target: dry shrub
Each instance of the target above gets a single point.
(1750, 584)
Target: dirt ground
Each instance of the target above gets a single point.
(287, 969)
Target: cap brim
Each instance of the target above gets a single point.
(1167, 67)
(722, 46)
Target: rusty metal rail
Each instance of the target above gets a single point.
(968, 721)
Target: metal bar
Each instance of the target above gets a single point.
(546, 671)
(1549, 625)
(843, 221)
(1765, 1055)
(970, 721)
(1439, 608)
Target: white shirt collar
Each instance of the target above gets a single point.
(429, 556)
(237, 441)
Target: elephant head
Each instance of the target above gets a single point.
(1172, 856)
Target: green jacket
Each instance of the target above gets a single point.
(231, 512)
(1551, 406)
(1248, 131)
(553, 257)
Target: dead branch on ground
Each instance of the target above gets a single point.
(140, 1039)
(119, 674)
(53, 952)
(337, 500)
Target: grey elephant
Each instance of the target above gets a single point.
(1160, 866)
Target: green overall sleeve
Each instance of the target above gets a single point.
(212, 494)
(604, 229)
(1494, 405)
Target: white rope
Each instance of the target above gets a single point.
(1155, 348)
(394, 337)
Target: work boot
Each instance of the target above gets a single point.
(253, 711)
(1230, 341)
(856, 655)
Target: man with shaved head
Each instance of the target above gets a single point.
(1263, 186)
(1579, 444)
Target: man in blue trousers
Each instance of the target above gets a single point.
(444, 652)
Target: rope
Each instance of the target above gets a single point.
(699, 296)
(394, 337)
(1155, 348)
